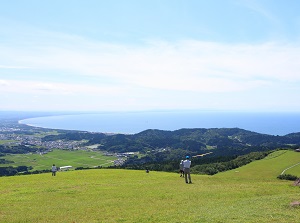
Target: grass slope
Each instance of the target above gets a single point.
(248, 194)
(270, 167)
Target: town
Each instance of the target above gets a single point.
(19, 135)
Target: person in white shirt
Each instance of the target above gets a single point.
(53, 169)
(186, 169)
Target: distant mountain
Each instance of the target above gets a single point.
(221, 141)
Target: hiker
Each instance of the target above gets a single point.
(53, 170)
(181, 169)
(186, 169)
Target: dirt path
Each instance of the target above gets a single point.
(289, 168)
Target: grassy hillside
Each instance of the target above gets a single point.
(269, 167)
(248, 194)
(75, 158)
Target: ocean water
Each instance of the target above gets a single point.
(135, 122)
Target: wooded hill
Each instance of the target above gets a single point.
(220, 141)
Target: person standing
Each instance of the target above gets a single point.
(181, 169)
(53, 169)
(186, 169)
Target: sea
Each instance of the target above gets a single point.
(272, 123)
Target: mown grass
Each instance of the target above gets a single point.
(249, 194)
(76, 158)
(3, 142)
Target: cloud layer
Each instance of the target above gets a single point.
(158, 72)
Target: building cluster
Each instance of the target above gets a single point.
(19, 139)
(12, 138)
(122, 157)
(8, 129)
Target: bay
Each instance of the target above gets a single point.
(135, 122)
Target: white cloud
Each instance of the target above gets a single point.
(4, 83)
(257, 7)
(185, 65)
(156, 74)
(12, 67)
(58, 89)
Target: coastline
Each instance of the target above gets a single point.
(106, 133)
(135, 122)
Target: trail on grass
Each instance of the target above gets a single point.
(289, 168)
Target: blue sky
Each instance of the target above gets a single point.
(93, 55)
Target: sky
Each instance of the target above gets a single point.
(135, 55)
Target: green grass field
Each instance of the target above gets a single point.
(3, 142)
(251, 193)
(76, 158)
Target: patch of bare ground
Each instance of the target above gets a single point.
(297, 182)
(295, 204)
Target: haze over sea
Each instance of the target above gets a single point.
(135, 122)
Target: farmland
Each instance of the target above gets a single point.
(75, 158)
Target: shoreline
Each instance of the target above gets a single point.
(135, 122)
(106, 133)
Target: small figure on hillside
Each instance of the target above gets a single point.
(147, 170)
(186, 169)
(181, 169)
(53, 170)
